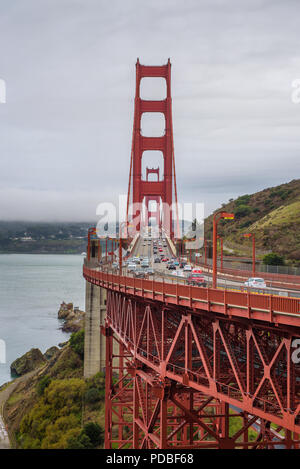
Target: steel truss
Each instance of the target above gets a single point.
(181, 378)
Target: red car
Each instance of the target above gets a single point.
(197, 280)
(165, 259)
(197, 271)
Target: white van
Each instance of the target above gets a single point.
(132, 267)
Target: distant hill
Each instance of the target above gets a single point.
(272, 214)
(43, 238)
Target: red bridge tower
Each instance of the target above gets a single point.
(161, 191)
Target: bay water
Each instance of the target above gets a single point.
(32, 287)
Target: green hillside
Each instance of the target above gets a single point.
(272, 214)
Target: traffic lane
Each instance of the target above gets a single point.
(160, 269)
(241, 285)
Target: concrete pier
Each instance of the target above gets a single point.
(94, 341)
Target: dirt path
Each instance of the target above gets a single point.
(4, 396)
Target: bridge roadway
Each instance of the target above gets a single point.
(144, 248)
(162, 287)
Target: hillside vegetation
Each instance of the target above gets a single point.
(272, 214)
(57, 408)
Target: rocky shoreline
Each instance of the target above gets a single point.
(71, 317)
(72, 320)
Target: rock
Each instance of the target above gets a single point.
(72, 317)
(63, 344)
(51, 352)
(64, 310)
(28, 362)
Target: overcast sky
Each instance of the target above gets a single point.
(69, 68)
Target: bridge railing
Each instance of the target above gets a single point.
(245, 272)
(249, 305)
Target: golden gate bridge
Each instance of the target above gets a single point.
(183, 362)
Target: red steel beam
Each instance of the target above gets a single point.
(171, 369)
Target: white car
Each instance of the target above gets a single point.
(178, 273)
(132, 267)
(187, 268)
(255, 282)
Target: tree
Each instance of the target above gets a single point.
(43, 384)
(242, 211)
(94, 432)
(92, 395)
(243, 200)
(273, 259)
(77, 342)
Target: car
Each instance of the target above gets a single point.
(165, 259)
(197, 271)
(139, 274)
(187, 268)
(176, 263)
(180, 273)
(197, 280)
(255, 282)
(150, 272)
(171, 267)
(181, 265)
(132, 267)
(157, 260)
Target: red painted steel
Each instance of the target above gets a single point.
(152, 190)
(185, 344)
(267, 308)
(191, 360)
(216, 219)
(180, 368)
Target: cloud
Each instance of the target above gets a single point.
(69, 68)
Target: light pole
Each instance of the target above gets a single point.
(249, 235)
(91, 232)
(122, 230)
(221, 242)
(216, 219)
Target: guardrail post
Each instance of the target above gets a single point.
(271, 308)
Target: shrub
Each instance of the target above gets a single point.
(273, 259)
(43, 384)
(243, 200)
(55, 416)
(92, 395)
(242, 211)
(245, 224)
(77, 342)
(81, 441)
(94, 433)
(90, 437)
